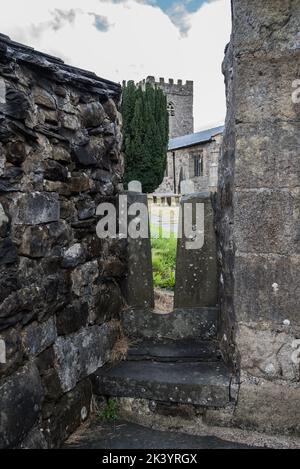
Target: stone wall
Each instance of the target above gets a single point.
(258, 218)
(60, 157)
(184, 167)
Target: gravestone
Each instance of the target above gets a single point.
(135, 186)
(187, 187)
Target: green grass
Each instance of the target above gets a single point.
(163, 259)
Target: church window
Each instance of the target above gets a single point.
(198, 165)
(171, 109)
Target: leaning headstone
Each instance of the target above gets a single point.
(187, 187)
(135, 186)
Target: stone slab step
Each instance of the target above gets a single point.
(205, 384)
(194, 323)
(170, 351)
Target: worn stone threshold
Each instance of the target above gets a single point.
(124, 435)
(206, 383)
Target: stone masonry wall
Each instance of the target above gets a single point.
(180, 97)
(258, 218)
(184, 167)
(60, 156)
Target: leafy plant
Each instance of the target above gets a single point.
(110, 413)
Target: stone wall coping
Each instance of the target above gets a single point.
(59, 71)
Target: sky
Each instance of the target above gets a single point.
(131, 39)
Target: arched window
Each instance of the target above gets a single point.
(171, 109)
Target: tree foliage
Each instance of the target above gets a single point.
(146, 135)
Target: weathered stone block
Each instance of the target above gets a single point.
(21, 399)
(12, 352)
(266, 27)
(267, 85)
(267, 288)
(92, 114)
(80, 183)
(36, 208)
(67, 209)
(70, 122)
(111, 110)
(16, 152)
(4, 222)
(61, 154)
(83, 278)
(51, 386)
(86, 208)
(17, 307)
(62, 188)
(108, 303)
(270, 154)
(44, 98)
(82, 354)
(9, 280)
(45, 240)
(38, 336)
(74, 256)
(267, 352)
(8, 252)
(268, 406)
(84, 155)
(54, 171)
(16, 104)
(66, 415)
(72, 318)
(112, 267)
(274, 214)
(34, 440)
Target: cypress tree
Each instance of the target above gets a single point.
(146, 134)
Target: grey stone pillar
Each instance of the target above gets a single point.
(196, 269)
(259, 206)
(138, 286)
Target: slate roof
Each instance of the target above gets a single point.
(193, 139)
(59, 71)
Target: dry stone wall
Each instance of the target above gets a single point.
(60, 156)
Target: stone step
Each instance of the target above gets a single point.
(193, 323)
(174, 351)
(205, 384)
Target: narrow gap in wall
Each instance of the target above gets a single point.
(164, 215)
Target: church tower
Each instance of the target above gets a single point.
(180, 100)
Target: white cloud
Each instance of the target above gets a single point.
(133, 40)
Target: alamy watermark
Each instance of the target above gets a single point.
(132, 221)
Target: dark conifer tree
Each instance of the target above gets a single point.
(146, 134)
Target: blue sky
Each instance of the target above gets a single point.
(190, 5)
(131, 39)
